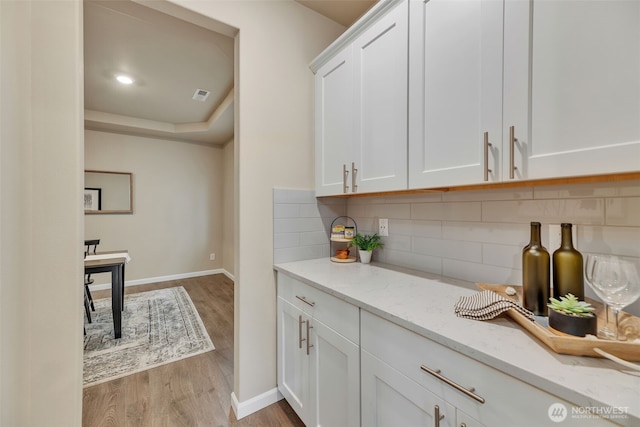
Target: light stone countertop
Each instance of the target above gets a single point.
(425, 305)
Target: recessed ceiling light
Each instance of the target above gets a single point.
(125, 80)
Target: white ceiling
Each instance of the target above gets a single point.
(169, 59)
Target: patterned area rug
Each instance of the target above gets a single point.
(158, 327)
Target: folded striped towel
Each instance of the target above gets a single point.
(486, 305)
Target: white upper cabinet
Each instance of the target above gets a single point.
(572, 87)
(335, 117)
(455, 91)
(361, 106)
(380, 65)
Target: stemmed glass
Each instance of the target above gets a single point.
(605, 331)
(616, 282)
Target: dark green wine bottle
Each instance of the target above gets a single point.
(535, 274)
(567, 267)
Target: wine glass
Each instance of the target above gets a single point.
(617, 283)
(605, 331)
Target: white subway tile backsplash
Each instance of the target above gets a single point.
(454, 211)
(476, 236)
(481, 196)
(510, 234)
(281, 195)
(286, 210)
(606, 189)
(286, 240)
(476, 272)
(301, 224)
(623, 211)
(578, 211)
(313, 238)
(623, 241)
(297, 225)
(429, 264)
(503, 255)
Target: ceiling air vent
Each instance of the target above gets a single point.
(201, 94)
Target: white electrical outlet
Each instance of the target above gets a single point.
(383, 227)
(212, 257)
(555, 237)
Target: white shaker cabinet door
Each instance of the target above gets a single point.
(334, 109)
(455, 96)
(293, 362)
(380, 67)
(334, 378)
(390, 399)
(572, 87)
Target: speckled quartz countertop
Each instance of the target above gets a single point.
(425, 306)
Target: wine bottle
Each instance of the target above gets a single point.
(535, 274)
(567, 267)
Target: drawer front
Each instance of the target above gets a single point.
(339, 315)
(507, 400)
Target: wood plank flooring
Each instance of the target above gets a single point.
(191, 392)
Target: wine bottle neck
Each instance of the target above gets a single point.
(535, 235)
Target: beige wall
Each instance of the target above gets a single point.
(177, 218)
(41, 213)
(274, 142)
(228, 211)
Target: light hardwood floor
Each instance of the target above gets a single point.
(191, 392)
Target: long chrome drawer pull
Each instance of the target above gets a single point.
(468, 392)
(354, 171)
(345, 172)
(512, 143)
(436, 416)
(304, 300)
(487, 144)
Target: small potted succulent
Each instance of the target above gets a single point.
(366, 244)
(571, 316)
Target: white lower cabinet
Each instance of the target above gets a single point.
(406, 374)
(318, 367)
(390, 399)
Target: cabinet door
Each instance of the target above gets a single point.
(392, 399)
(380, 66)
(572, 87)
(334, 109)
(464, 420)
(293, 362)
(455, 80)
(335, 378)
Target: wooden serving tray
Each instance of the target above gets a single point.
(567, 344)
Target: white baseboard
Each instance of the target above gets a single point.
(254, 404)
(136, 282)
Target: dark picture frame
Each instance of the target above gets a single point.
(92, 199)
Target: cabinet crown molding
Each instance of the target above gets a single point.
(377, 11)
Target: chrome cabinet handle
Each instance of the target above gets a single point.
(309, 345)
(487, 144)
(300, 339)
(345, 173)
(463, 425)
(512, 143)
(469, 392)
(304, 300)
(436, 416)
(354, 186)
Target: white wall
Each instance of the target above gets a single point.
(274, 142)
(41, 213)
(177, 218)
